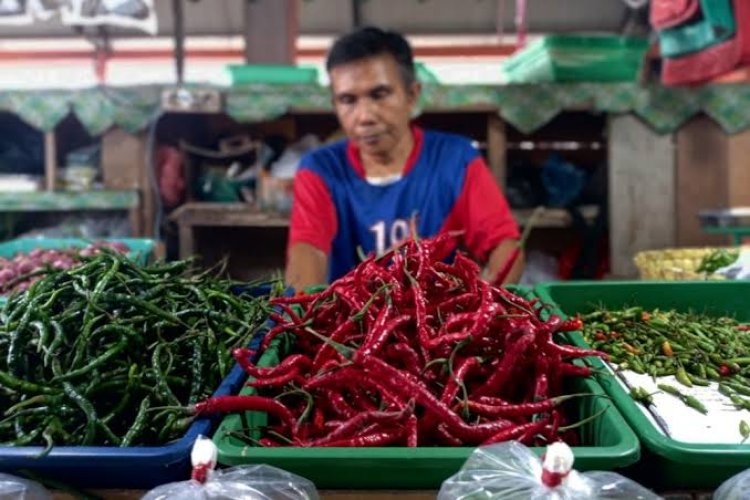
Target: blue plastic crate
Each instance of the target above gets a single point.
(142, 467)
(141, 249)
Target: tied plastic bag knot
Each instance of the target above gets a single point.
(203, 458)
(557, 463)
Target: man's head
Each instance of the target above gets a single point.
(374, 87)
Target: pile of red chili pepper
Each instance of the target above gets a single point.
(409, 350)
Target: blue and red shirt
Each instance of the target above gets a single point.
(445, 184)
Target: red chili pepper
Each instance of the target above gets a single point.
(575, 352)
(234, 404)
(572, 325)
(242, 355)
(358, 422)
(567, 369)
(381, 332)
(515, 432)
(381, 438)
(446, 438)
(493, 384)
(600, 336)
(277, 381)
(519, 410)
(339, 405)
(408, 356)
(407, 386)
(725, 371)
(338, 335)
(454, 382)
(412, 431)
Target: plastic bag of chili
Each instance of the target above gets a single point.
(245, 482)
(512, 471)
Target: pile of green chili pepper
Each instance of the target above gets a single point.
(89, 355)
(695, 348)
(718, 259)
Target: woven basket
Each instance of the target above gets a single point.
(674, 264)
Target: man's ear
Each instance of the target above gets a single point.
(414, 90)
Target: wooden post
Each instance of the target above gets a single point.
(496, 148)
(641, 191)
(702, 179)
(50, 160)
(271, 28)
(712, 173)
(124, 167)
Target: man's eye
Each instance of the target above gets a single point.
(346, 99)
(380, 94)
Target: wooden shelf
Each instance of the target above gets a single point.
(554, 217)
(62, 201)
(243, 215)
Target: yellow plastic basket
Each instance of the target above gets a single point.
(674, 264)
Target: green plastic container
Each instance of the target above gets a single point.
(576, 58)
(424, 74)
(608, 444)
(141, 249)
(666, 463)
(244, 74)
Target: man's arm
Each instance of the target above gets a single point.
(482, 212)
(306, 266)
(312, 226)
(497, 260)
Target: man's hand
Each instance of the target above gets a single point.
(306, 266)
(497, 260)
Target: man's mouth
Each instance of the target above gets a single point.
(369, 140)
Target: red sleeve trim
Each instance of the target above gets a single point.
(482, 212)
(313, 219)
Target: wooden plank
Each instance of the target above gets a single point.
(271, 28)
(738, 170)
(50, 161)
(641, 191)
(702, 157)
(496, 148)
(124, 167)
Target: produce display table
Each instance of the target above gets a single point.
(358, 495)
(325, 495)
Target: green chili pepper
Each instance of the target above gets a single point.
(744, 430)
(138, 424)
(682, 377)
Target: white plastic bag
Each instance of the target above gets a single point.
(736, 487)
(16, 12)
(15, 488)
(739, 269)
(44, 10)
(511, 471)
(251, 482)
(134, 14)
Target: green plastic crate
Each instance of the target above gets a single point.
(609, 444)
(666, 463)
(244, 74)
(575, 58)
(141, 249)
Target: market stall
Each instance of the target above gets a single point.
(452, 320)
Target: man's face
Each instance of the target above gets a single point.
(372, 103)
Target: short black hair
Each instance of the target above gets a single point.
(372, 41)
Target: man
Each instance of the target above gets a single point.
(363, 191)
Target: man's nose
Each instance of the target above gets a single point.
(366, 112)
